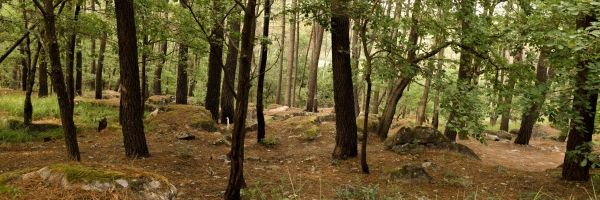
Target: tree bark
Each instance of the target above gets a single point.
(463, 84)
(531, 114)
(261, 74)
(43, 75)
(228, 86)
(93, 46)
(58, 82)
(355, 62)
(435, 119)
(311, 101)
(182, 75)
(291, 59)
(157, 83)
(375, 104)
(79, 72)
(345, 118)
(27, 106)
(100, 67)
(71, 57)
(131, 108)
(508, 96)
(421, 118)
(282, 49)
(236, 173)
(584, 105)
(215, 65)
(144, 64)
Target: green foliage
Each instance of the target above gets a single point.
(270, 141)
(13, 131)
(79, 173)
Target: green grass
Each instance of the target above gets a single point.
(78, 173)
(13, 131)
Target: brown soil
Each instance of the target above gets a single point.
(299, 169)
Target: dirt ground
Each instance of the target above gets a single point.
(298, 169)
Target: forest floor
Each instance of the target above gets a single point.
(293, 168)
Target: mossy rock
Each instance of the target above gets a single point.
(410, 173)
(305, 126)
(372, 124)
(309, 133)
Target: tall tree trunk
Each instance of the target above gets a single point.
(228, 86)
(355, 62)
(291, 58)
(401, 83)
(435, 119)
(424, 97)
(100, 67)
(79, 71)
(584, 105)
(345, 118)
(131, 108)
(43, 75)
(261, 74)
(58, 82)
(93, 46)
(368, 65)
(182, 75)
(236, 173)
(71, 57)
(311, 101)
(282, 49)
(215, 65)
(296, 53)
(508, 96)
(27, 106)
(463, 84)
(303, 74)
(144, 63)
(157, 83)
(531, 114)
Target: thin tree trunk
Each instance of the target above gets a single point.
(215, 65)
(508, 96)
(261, 74)
(375, 104)
(79, 72)
(236, 173)
(531, 114)
(355, 63)
(282, 49)
(43, 75)
(291, 59)
(435, 119)
(182, 75)
(58, 82)
(228, 86)
(421, 118)
(100, 67)
(131, 108)
(311, 101)
(144, 64)
(157, 83)
(71, 57)
(345, 118)
(296, 61)
(27, 106)
(93, 47)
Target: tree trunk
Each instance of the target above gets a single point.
(228, 86)
(508, 96)
(79, 72)
(144, 63)
(58, 82)
(435, 119)
(345, 118)
(282, 49)
(582, 126)
(291, 58)
(375, 104)
(296, 48)
(531, 114)
(261, 74)
(182, 76)
(311, 101)
(27, 107)
(463, 84)
(100, 67)
(215, 65)
(355, 62)
(236, 173)
(131, 108)
(43, 75)
(157, 83)
(71, 57)
(421, 118)
(398, 89)
(93, 47)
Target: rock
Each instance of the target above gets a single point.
(110, 94)
(185, 136)
(279, 109)
(409, 140)
(253, 127)
(161, 99)
(411, 174)
(122, 182)
(154, 113)
(514, 131)
(500, 135)
(327, 118)
(372, 124)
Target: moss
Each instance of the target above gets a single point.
(9, 190)
(309, 133)
(79, 173)
(270, 141)
(372, 124)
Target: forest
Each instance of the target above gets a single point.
(299, 99)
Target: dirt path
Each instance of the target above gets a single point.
(539, 156)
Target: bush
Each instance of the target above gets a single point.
(270, 141)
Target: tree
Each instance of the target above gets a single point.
(131, 108)
(228, 90)
(27, 106)
(58, 82)
(157, 83)
(100, 66)
(345, 118)
(261, 73)
(576, 166)
(282, 49)
(182, 70)
(311, 101)
(236, 172)
(79, 71)
(215, 63)
(72, 42)
(291, 59)
(43, 75)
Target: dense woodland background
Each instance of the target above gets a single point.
(461, 67)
